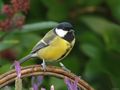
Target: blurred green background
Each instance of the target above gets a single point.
(96, 54)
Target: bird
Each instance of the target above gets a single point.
(54, 46)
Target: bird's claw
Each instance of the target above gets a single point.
(64, 68)
(43, 65)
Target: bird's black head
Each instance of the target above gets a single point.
(65, 26)
(65, 30)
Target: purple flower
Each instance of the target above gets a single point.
(18, 69)
(35, 87)
(36, 82)
(39, 80)
(71, 85)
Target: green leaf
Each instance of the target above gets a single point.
(3, 17)
(115, 7)
(7, 44)
(27, 42)
(3, 61)
(90, 50)
(99, 24)
(60, 85)
(116, 82)
(4, 68)
(106, 29)
(37, 11)
(1, 5)
(111, 64)
(1, 34)
(98, 79)
(57, 10)
(38, 26)
(58, 14)
(71, 63)
(91, 2)
(91, 44)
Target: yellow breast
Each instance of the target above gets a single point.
(55, 50)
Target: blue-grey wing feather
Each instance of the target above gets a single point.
(38, 47)
(44, 42)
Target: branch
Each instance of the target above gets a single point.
(37, 70)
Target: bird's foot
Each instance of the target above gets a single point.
(43, 65)
(64, 68)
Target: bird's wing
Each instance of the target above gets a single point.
(44, 42)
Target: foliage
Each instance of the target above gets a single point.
(96, 55)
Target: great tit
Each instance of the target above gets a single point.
(55, 45)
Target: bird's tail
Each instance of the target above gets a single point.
(23, 60)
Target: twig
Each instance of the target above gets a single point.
(37, 70)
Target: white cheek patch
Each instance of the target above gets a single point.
(61, 32)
